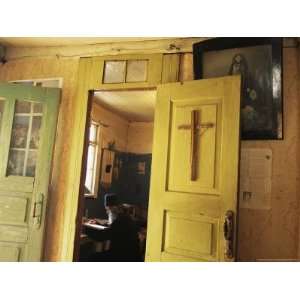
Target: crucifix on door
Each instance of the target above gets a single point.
(195, 128)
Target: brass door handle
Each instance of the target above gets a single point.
(228, 233)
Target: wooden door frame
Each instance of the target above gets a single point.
(89, 78)
(80, 206)
(81, 198)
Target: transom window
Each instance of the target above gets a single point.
(125, 71)
(91, 168)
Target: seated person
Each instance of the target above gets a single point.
(122, 233)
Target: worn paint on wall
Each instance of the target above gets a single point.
(30, 68)
(274, 233)
(140, 137)
(116, 130)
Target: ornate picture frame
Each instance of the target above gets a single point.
(259, 62)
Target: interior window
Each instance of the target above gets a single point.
(91, 168)
(25, 139)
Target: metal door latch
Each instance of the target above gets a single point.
(38, 211)
(228, 234)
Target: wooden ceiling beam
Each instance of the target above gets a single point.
(172, 45)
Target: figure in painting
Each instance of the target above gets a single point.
(250, 116)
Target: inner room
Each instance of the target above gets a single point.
(118, 163)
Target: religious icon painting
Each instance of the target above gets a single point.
(259, 63)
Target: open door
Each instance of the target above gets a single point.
(28, 118)
(194, 177)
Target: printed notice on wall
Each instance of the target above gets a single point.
(255, 178)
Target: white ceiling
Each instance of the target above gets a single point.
(134, 106)
(67, 41)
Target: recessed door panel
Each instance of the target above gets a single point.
(9, 254)
(13, 209)
(11, 233)
(194, 151)
(190, 235)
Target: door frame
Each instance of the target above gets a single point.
(89, 79)
(81, 198)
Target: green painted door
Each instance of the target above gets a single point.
(28, 118)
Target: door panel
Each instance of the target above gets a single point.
(9, 253)
(28, 116)
(13, 209)
(194, 171)
(201, 240)
(180, 147)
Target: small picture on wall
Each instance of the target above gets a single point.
(258, 61)
(141, 168)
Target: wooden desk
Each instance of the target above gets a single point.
(99, 234)
(95, 226)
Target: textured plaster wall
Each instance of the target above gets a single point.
(116, 130)
(140, 137)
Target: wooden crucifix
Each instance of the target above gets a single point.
(195, 127)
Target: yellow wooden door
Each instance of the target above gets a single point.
(193, 191)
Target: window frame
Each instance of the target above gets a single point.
(96, 160)
(41, 82)
(126, 68)
(154, 71)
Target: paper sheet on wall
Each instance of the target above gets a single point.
(255, 178)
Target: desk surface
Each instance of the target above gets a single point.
(95, 226)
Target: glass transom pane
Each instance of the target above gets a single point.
(25, 137)
(137, 70)
(114, 71)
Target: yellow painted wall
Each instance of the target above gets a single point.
(274, 233)
(140, 137)
(117, 129)
(133, 137)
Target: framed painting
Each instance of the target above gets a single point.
(259, 62)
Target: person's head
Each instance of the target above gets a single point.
(111, 206)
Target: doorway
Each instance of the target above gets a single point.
(117, 160)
